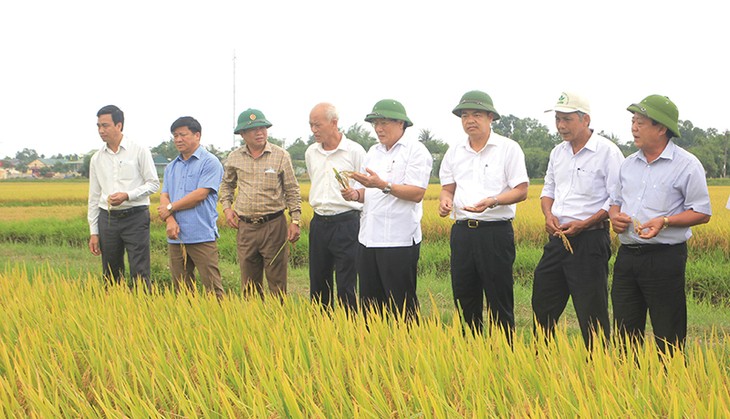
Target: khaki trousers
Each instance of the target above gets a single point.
(257, 246)
(204, 256)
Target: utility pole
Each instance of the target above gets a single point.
(234, 99)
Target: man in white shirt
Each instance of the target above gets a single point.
(395, 176)
(122, 176)
(336, 222)
(482, 178)
(581, 173)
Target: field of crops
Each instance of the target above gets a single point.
(69, 347)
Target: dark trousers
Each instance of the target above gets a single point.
(333, 247)
(582, 276)
(130, 231)
(388, 279)
(481, 265)
(651, 277)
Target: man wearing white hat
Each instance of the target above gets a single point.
(581, 174)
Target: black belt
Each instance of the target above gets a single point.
(480, 223)
(603, 225)
(345, 216)
(641, 249)
(262, 219)
(126, 212)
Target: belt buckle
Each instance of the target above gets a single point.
(472, 223)
(259, 220)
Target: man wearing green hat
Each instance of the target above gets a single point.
(395, 176)
(662, 192)
(482, 178)
(264, 176)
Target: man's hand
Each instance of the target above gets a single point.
(446, 205)
(173, 228)
(350, 194)
(117, 198)
(94, 245)
(163, 212)
(231, 217)
(293, 233)
(619, 221)
(371, 180)
(651, 228)
(552, 225)
(572, 228)
(480, 206)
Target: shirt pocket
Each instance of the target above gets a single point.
(586, 182)
(491, 175)
(397, 171)
(655, 197)
(191, 182)
(127, 170)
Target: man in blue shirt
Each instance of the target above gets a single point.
(188, 206)
(662, 192)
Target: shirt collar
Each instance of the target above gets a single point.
(341, 146)
(121, 146)
(494, 140)
(404, 141)
(667, 153)
(267, 149)
(197, 153)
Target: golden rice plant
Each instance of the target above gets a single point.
(71, 348)
(58, 212)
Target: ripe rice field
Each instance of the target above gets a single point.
(69, 347)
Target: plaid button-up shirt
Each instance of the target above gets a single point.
(266, 184)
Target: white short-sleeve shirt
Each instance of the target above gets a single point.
(388, 221)
(496, 168)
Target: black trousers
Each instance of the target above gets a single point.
(130, 231)
(651, 277)
(388, 279)
(582, 276)
(333, 247)
(481, 265)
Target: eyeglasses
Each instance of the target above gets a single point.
(382, 122)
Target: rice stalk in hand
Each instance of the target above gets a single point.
(566, 242)
(342, 178)
(637, 226)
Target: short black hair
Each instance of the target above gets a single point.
(115, 112)
(187, 121)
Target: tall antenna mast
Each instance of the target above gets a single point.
(234, 98)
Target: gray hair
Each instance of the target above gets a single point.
(330, 112)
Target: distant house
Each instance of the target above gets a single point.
(72, 166)
(160, 163)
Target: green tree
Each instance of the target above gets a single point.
(166, 149)
(26, 156)
(436, 147)
(297, 149)
(534, 138)
(360, 135)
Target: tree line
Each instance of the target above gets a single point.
(710, 146)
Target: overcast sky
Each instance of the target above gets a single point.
(158, 60)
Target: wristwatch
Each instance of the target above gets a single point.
(388, 188)
(295, 222)
(169, 207)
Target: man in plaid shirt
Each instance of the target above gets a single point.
(264, 176)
